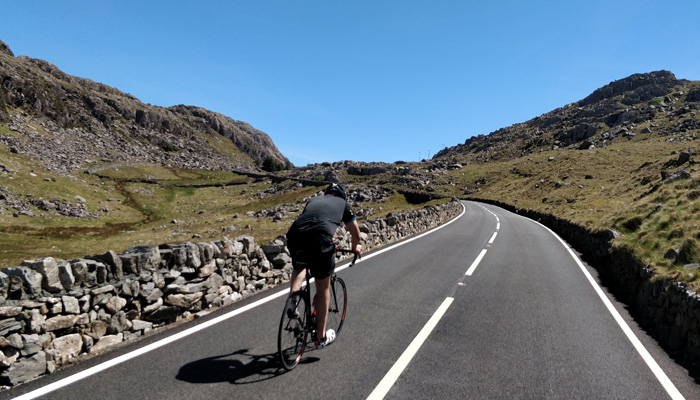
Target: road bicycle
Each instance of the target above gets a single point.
(298, 323)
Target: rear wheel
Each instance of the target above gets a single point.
(338, 305)
(292, 337)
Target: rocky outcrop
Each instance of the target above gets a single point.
(67, 123)
(635, 89)
(54, 312)
(4, 48)
(253, 142)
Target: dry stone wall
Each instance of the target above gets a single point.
(54, 312)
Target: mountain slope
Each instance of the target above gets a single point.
(69, 123)
(656, 103)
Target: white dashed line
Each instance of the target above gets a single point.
(476, 262)
(493, 237)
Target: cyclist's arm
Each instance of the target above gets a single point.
(354, 230)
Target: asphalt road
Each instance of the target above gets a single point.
(491, 306)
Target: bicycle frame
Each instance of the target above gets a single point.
(307, 289)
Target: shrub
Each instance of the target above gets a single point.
(656, 101)
(272, 165)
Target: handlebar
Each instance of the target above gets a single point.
(354, 259)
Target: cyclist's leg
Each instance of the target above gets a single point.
(297, 279)
(322, 271)
(321, 301)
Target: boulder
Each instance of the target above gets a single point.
(148, 257)
(194, 256)
(9, 311)
(32, 281)
(4, 284)
(71, 305)
(676, 176)
(96, 329)
(139, 325)
(106, 342)
(163, 313)
(185, 301)
(37, 321)
(66, 348)
(31, 345)
(24, 370)
(207, 251)
(48, 268)
(8, 326)
(249, 245)
(683, 158)
(130, 263)
(65, 275)
(157, 304)
(61, 322)
(119, 323)
(237, 248)
(281, 260)
(114, 304)
(208, 269)
(131, 288)
(79, 270)
(114, 262)
(693, 96)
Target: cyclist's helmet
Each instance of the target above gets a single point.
(336, 190)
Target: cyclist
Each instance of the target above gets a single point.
(310, 242)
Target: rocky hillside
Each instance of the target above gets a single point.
(655, 103)
(69, 123)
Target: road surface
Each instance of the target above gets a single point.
(490, 306)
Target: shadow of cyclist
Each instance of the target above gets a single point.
(239, 367)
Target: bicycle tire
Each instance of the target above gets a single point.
(293, 335)
(338, 305)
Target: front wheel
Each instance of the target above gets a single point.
(338, 305)
(292, 335)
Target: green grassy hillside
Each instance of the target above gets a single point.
(145, 204)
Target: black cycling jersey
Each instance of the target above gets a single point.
(310, 238)
(324, 213)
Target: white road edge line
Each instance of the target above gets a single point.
(400, 365)
(143, 350)
(646, 356)
(476, 262)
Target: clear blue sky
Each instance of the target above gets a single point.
(360, 80)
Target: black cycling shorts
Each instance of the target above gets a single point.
(320, 265)
(312, 249)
